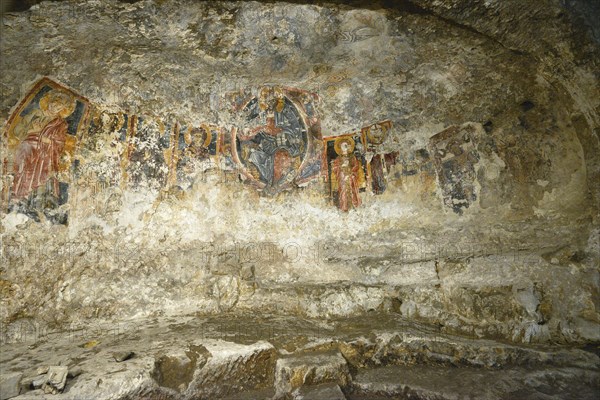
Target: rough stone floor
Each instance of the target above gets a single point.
(244, 356)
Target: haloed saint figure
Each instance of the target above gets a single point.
(272, 147)
(346, 170)
(37, 157)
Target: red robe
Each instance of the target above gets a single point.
(38, 157)
(347, 180)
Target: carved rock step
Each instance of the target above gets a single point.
(232, 368)
(490, 309)
(297, 371)
(406, 348)
(327, 391)
(441, 383)
(259, 394)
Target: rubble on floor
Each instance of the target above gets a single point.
(243, 356)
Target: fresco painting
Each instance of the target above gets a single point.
(416, 172)
(378, 162)
(226, 163)
(197, 149)
(346, 176)
(455, 156)
(146, 162)
(41, 136)
(100, 151)
(277, 145)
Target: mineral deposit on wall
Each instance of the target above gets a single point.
(423, 160)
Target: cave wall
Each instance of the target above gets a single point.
(474, 196)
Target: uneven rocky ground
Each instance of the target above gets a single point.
(244, 356)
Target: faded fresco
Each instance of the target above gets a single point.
(196, 152)
(111, 128)
(41, 136)
(346, 170)
(379, 163)
(100, 175)
(417, 173)
(146, 166)
(275, 144)
(226, 162)
(275, 148)
(455, 154)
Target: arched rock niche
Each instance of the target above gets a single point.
(469, 198)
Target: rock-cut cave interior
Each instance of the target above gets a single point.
(300, 200)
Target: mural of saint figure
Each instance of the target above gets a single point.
(38, 156)
(455, 155)
(378, 182)
(41, 135)
(346, 174)
(197, 153)
(273, 149)
(375, 135)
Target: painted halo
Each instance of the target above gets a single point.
(338, 145)
(55, 96)
(204, 130)
(272, 146)
(377, 139)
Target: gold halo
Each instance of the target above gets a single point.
(375, 140)
(208, 139)
(66, 100)
(338, 144)
(120, 121)
(191, 133)
(265, 91)
(187, 135)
